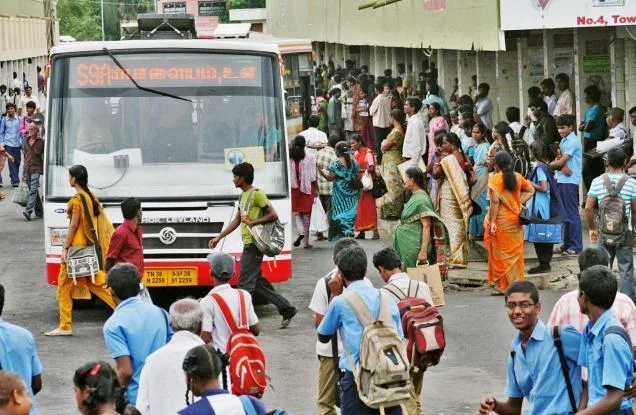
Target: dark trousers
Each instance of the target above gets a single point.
(572, 237)
(350, 403)
(14, 166)
(325, 201)
(544, 252)
(624, 255)
(251, 280)
(380, 134)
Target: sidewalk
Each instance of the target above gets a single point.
(475, 276)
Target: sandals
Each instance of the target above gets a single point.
(297, 241)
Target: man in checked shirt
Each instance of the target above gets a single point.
(323, 159)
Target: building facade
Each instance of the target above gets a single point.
(206, 13)
(510, 44)
(26, 33)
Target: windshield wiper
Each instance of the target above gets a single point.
(153, 91)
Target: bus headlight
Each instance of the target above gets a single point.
(58, 236)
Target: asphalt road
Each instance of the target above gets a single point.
(473, 366)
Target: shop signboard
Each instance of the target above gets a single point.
(555, 14)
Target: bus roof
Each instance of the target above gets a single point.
(242, 45)
(288, 45)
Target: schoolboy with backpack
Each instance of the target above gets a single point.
(615, 194)
(422, 324)
(374, 362)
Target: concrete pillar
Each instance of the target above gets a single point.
(317, 51)
(546, 53)
(521, 46)
(577, 80)
(463, 86)
(415, 63)
(630, 72)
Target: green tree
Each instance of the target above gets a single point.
(80, 19)
(246, 4)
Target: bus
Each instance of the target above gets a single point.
(165, 121)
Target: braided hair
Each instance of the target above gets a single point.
(100, 379)
(503, 129)
(342, 150)
(503, 160)
(80, 174)
(201, 363)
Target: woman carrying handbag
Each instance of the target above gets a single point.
(88, 222)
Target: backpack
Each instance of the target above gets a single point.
(245, 355)
(382, 374)
(520, 157)
(422, 324)
(269, 237)
(612, 220)
(620, 331)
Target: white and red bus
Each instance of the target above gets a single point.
(167, 130)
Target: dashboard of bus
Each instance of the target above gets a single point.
(159, 125)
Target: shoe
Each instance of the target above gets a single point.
(539, 269)
(39, 216)
(27, 216)
(360, 236)
(297, 241)
(376, 235)
(569, 252)
(287, 318)
(58, 332)
(321, 237)
(1, 185)
(559, 250)
(15, 184)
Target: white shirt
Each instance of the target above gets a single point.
(17, 83)
(381, 111)
(552, 102)
(423, 114)
(402, 281)
(319, 303)
(24, 99)
(515, 126)
(619, 132)
(564, 104)
(415, 140)
(314, 138)
(483, 108)
(213, 320)
(162, 384)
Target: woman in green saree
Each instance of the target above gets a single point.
(421, 236)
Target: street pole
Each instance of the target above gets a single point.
(102, 10)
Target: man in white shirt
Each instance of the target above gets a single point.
(162, 383)
(389, 265)
(547, 90)
(4, 99)
(16, 83)
(483, 106)
(315, 139)
(415, 139)
(565, 103)
(617, 130)
(28, 96)
(381, 112)
(326, 288)
(214, 327)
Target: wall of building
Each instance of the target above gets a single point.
(410, 25)
(205, 24)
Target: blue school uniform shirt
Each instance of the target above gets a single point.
(609, 360)
(136, 329)
(219, 402)
(571, 145)
(18, 354)
(595, 113)
(340, 315)
(536, 372)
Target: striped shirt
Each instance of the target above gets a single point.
(567, 311)
(628, 192)
(324, 159)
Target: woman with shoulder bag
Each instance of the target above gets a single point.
(367, 218)
(87, 219)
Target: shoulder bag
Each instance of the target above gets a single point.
(85, 261)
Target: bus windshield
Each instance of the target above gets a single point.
(222, 109)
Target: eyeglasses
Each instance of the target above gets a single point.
(523, 306)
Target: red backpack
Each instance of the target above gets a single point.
(422, 324)
(246, 357)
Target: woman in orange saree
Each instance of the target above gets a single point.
(367, 217)
(503, 233)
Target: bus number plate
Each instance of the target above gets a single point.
(170, 277)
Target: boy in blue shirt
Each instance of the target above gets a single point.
(534, 367)
(569, 169)
(606, 350)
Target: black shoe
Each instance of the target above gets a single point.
(287, 318)
(27, 216)
(297, 241)
(361, 235)
(540, 269)
(15, 184)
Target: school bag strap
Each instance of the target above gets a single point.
(397, 292)
(248, 406)
(620, 331)
(248, 202)
(227, 314)
(564, 366)
(614, 190)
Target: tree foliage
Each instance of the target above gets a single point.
(80, 19)
(246, 4)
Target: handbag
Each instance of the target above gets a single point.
(432, 276)
(355, 182)
(21, 195)
(379, 187)
(86, 260)
(367, 181)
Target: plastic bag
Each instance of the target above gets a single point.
(319, 222)
(367, 181)
(21, 194)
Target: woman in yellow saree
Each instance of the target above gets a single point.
(79, 235)
(503, 233)
(453, 199)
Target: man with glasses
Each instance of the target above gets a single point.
(534, 367)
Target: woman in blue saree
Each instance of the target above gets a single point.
(479, 191)
(344, 199)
